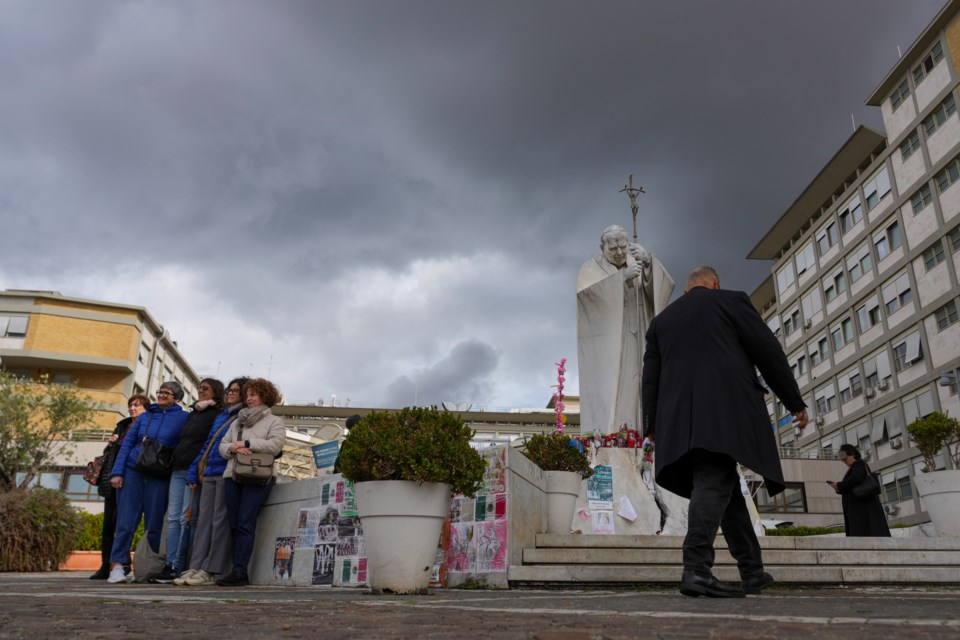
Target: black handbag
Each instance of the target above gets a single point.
(155, 459)
(869, 488)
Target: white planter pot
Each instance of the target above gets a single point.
(940, 493)
(562, 489)
(402, 522)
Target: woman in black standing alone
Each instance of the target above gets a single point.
(862, 517)
(136, 405)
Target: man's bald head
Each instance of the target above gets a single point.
(703, 277)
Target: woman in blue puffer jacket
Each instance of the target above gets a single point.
(212, 552)
(141, 494)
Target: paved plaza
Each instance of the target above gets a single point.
(65, 605)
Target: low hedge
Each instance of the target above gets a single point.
(91, 528)
(803, 531)
(39, 529)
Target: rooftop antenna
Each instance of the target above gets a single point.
(899, 53)
(853, 122)
(632, 193)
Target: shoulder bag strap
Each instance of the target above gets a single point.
(206, 454)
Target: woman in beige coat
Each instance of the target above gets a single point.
(256, 430)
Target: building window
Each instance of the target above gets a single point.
(823, 348)
(78, 489)
(948, 175)
(45, 479)
(851, 214)
(954, 239)
(928, 63)
(898, 487)
(888, 240)
(842, 334)
(144, 355)
(921, 198)
(801, 365)
(785, 277)
(827, 238)
(819, 351)
(897, 294)
(877, 187)
(946, 315)
(13, 326)
(791, 500)
(933, 256)
(792, 322)
(834, 286)
(900, 94)
(943, 111)
(906, 352)
(62, 379)
(869, 314)
(910, 145)
(821, 405)
(860, 263)
(805, 259)
(856, 386)
(810, 304)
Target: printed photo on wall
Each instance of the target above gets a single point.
(323, 556)
(283, 558)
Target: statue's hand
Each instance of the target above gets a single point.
(641, 256)
(632, 271)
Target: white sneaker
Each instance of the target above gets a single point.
(117, 574)
(183, 577)
(200, 579)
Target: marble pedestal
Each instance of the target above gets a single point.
(628, 483)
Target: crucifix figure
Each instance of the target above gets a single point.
(632, 193)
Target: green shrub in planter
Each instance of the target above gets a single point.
(557, 452)
(934, 432)
(39, 529)
(420, 444)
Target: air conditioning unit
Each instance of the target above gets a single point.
(818, 421)
(896, 443)
(891, 509)
(883, 385)
(866, 455)
(869, 392)
(807, 323)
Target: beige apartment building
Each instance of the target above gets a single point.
(109, 351)
(864, 290)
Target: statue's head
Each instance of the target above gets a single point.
(613, 244)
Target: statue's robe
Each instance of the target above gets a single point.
(612, 318)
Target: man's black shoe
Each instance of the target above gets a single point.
(102, 573)
(166, 576)
(234, 579)
(755, 584)
(697, 584)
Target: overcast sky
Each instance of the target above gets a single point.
(390, 201)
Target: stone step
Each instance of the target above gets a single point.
(825, 560)
(560, 541)
(785, 557)
(662, 574)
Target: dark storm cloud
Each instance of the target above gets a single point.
(463, 375)
(353, 185)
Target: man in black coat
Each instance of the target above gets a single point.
(704, 408)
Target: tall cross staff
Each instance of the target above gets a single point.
(632, 193)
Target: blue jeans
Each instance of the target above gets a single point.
(182, 501)
(243, 506)
(140, 496)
